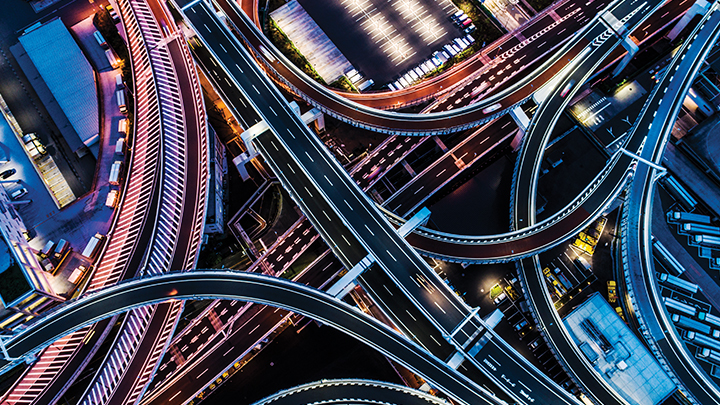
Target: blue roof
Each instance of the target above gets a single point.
(67, 73)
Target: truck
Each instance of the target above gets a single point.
(680, 193)
(667, 259)
(691, 324)
(679, 216)
(707, 241)
(701, 229)
(61, 248)
(100, 40)
(115, 173)
(612, 291)
(120, 96)
(93, 246)
(701, 340)
(678, 283)
(678, 307)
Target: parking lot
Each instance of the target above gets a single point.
(384, 38)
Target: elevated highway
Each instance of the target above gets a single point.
(637, 259)
(247, 287)
(351, 392)
(353, 227)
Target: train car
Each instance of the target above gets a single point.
(667, 259)
(690, 324)
(678, 216)
(678, 283)
(678, 307)
(701, 229)
(680, 193)
(701, 340)
(707, 241)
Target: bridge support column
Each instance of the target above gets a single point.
(409, 168)
(517, 140)
(520, 118)
(347, 282)
(622, 32)
(699, 7)
(418, 219)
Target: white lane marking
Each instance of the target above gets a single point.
(273, 111)
(411, 315)
(274, 146)
(199, 375)
(328, 180)
(291, 134)
(291, 169)
(368, 228)
(173, 397)
(418, 190)
(348, 204)
(390, 292)
(309, 157)
(439, 307)
(256, 90)
(346, 241)
(388, 252)
(207, 28)
(240, 69)
(327, 216)
(223, 48)
(253, 329)
(443, 171)
(308, 191)
(435, 340)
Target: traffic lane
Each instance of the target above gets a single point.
(124, 388)
(412, 322)
(193, 198)
(412, 123)
(221, 80)
(385, 158)
(433, 178)
(254, 287)
(361, 392)
(307, 195)
(88, 347)
(217, 357)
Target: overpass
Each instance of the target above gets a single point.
(213, 284)
(350, 392)
(648, 310)
(353, 227)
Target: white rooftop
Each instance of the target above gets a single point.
(624, 362)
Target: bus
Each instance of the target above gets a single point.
(701, 340)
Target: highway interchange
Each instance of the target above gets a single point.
(401, 283)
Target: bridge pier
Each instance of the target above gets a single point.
(699, 7)
(521, 119)
(315, 116)
(621, 31)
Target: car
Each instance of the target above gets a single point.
(520, 325)
(18, 193)
(492, 108)
(7, 173)
(567, 88)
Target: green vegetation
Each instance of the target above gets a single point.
(13, 284)
(540, 5)
(283, 43)
(344, 84)
(485, 29)
(105, 24)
